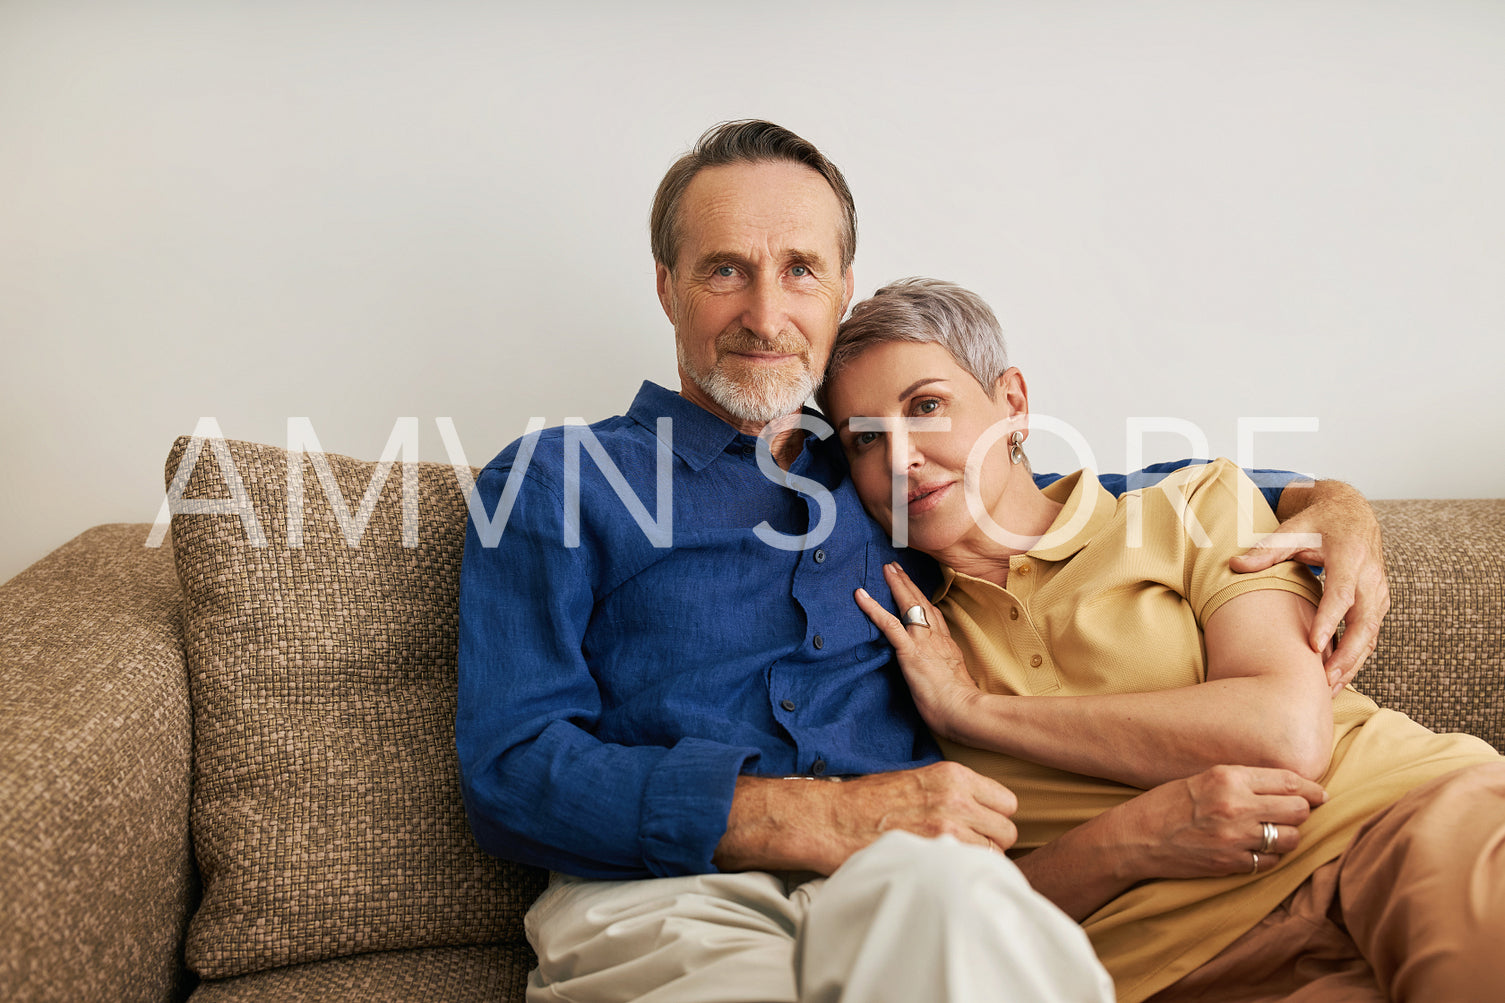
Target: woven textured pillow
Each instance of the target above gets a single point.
(327, 818)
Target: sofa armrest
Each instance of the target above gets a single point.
(96, 863)
(1441, 653)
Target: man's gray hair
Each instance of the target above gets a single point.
(926, 311)
(746, 141)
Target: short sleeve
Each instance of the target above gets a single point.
(1221, 513)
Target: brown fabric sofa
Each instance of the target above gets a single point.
(227, 770)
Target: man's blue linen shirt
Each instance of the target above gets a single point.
(611, 692)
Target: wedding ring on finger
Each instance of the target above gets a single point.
(1270, 833)
(915, 617)
(1254, 860)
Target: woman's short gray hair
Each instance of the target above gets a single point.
(926, 311)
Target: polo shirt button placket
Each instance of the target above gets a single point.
(1019, 580)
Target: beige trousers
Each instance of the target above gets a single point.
(907, 920)
(1412, 912)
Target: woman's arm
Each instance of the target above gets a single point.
(1265, 702)
(1348, 546)
(1207, 825)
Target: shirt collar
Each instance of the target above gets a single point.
(1086, 509)
(699, 436)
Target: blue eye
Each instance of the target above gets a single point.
(799, 271)
(927, 406)
(726, 271)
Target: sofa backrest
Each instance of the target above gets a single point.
(1441, 652)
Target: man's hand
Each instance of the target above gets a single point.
(815, 825)
(1354, 589)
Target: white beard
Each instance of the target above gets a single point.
(762, 397)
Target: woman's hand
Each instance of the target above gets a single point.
(1211, 824)
(944, 691)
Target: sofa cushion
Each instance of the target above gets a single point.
(493, 973)
(327, 818)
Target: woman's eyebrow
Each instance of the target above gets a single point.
(917, 384)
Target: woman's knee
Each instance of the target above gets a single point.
(1423, 887)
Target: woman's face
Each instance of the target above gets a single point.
(903, 380)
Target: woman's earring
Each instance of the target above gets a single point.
(1016, 446)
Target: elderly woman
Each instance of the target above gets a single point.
(1099, 658)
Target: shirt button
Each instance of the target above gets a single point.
(820, 642)
(820, 557)
(1035, 660)
(1013, 612)
(749, 449)
(787, 704)
(818, 767)
(1024, 569)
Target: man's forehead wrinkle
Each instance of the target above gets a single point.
(791, 223)
(795, 217)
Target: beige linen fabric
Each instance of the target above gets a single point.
(905, 919)
(327, 817)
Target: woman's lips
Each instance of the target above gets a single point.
(923, 499)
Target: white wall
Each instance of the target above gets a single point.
(358, 211)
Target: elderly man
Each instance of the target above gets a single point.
(653, 705)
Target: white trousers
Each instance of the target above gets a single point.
(908, 920)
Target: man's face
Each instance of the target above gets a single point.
(758, 290)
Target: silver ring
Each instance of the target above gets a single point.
(1268, 846)
(915, 617)
(1255, 858)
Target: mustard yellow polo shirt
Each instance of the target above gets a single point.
(1113, 601)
